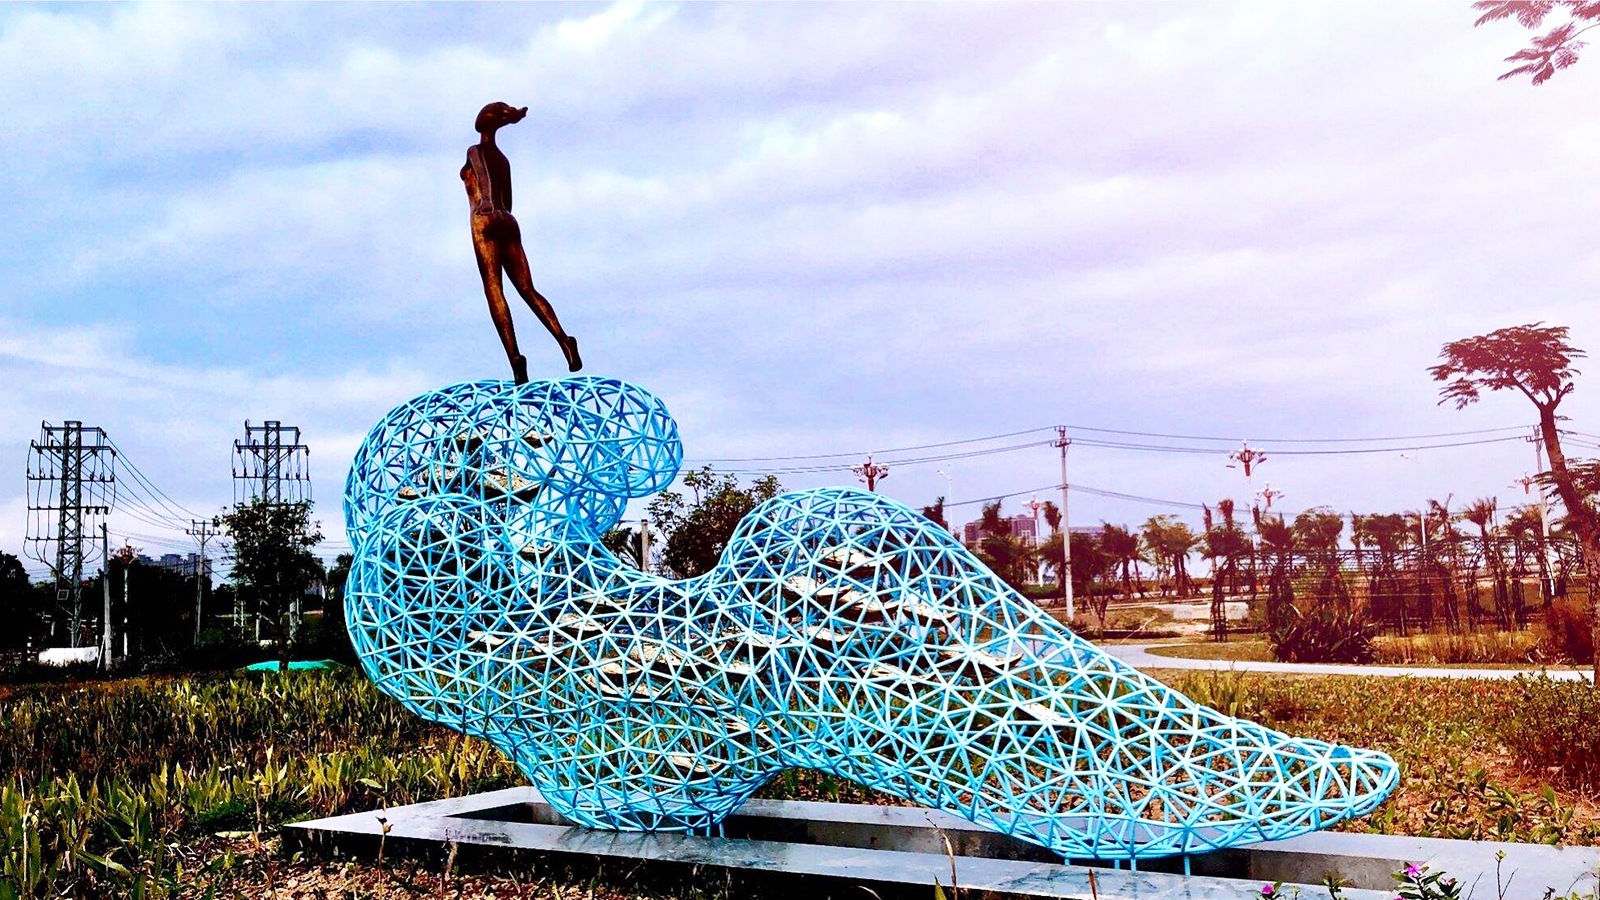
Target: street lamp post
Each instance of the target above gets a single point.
(1063, 442)
(950, 494)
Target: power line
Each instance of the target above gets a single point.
(171, 505)
(1108, 445)
(977, 440)
(1049, 487)
(1118, 495)
(129, 537)
(1169, 448)
(1081, 489)
(1359, 440)
(1389, 439)
(903, 461)
(138, 515)
(139, 498)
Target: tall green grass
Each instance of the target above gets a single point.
(101, 786)
(117, 789)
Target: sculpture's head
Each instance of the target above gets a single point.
(497, 115)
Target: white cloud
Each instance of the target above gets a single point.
(808, 228)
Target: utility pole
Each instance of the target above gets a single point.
(105, 589)
(869, 473)
(1422, 511)
(1537, 439)
(71, 480)
(1063, 442)
(202, 531)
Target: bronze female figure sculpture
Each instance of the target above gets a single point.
(497, 239)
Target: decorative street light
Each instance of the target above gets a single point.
(869, 473)
(1248, 459)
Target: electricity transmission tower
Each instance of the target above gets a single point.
(270, 466)
(71, 482)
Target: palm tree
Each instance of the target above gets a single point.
(1480, 512)
(1441, 569)
(1178, 542)
(1278, 538)
(1168, 542)
(1358, 538)
(1317, 531)
(1005, 552)
(1527, 524)
(1224, 544)
(1049, 553)
(1387, 534)
(1122, 546)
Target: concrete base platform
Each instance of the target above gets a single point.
(885, 846)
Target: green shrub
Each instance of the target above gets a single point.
(233, 815)
(1555, 731)
(1327, 634)
(1567, 636)
(1464, 647)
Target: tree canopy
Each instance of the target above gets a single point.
(1555, 49)
(19, 602)
(272, 560)
(695, 533)
(1535, 360)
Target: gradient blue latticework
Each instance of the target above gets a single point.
(841, 631)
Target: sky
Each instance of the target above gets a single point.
(811, 229)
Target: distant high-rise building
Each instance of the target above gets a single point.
(1021, 526)
(180, 563)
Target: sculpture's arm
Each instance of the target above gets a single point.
(484, 204)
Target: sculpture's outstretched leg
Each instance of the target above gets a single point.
(489, 267)
(517, 267)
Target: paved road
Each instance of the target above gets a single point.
(1139, 656)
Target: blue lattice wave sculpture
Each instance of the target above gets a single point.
(841, 631)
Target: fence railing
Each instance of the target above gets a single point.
(1462, 581)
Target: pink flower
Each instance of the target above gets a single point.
(1268, 890)
(1412, 871)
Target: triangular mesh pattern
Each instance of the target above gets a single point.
(841, 631)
